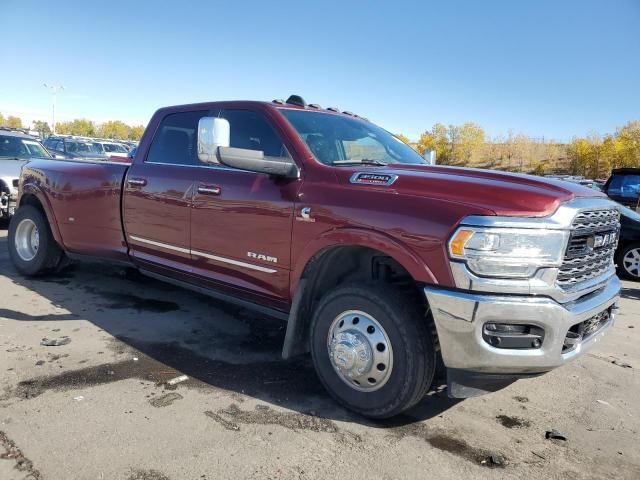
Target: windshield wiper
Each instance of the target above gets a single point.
(362, 161)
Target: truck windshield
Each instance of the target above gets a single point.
(338, 140)
(84, 147)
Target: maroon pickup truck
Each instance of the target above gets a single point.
(379, 263)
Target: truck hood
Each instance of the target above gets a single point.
(502, 193)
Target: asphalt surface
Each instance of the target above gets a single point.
(99, 406)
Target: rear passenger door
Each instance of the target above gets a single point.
(158, 191)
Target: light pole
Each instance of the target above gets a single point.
(54, 89)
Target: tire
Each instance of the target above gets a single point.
(28, 259)
(628, 261)
(412, 353)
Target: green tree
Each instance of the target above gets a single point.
(42, 128)
(436, 139)
(79, 126)
(135, 132)
(467, 141)
(2, 120)
(628, 139)
(114, 129)
(13, 122)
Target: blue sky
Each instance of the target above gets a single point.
(545, 68)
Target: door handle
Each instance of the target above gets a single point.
(209, 190)
(137, 182)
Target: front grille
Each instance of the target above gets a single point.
(585, 259)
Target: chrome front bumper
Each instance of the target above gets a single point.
(460, 318)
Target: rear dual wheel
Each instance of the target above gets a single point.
(32, 248)
(372, 349)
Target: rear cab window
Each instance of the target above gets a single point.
(175, 141)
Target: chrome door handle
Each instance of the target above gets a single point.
(137, 182)
(209, 190)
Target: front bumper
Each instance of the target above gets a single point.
(460, 318)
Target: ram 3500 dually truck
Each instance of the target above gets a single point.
(380, 264)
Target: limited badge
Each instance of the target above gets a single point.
(373, 178)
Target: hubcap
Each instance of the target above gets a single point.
(631, 262)
(27, 240)
(360, 351)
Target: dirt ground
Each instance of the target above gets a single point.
(100, 407)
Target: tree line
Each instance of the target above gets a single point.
(593, 156)
(115, 129)
(463, 145)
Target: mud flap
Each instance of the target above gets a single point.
(466, 384)
(296, 339)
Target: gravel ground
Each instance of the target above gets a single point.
(100, 407)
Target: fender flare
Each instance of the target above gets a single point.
(36, 191)
(362, 237)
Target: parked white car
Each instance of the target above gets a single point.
(16, 148)
(114, 148)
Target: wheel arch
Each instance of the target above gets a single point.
(346, 255)
(32, 195)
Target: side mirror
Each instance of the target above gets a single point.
(430, 157)
(213, 132)
(213, 147)
(255, 161)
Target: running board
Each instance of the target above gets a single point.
(272, 312)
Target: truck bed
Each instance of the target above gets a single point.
(84, 199)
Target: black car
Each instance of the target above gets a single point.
(73, 147)
(623, 186)
(628, 251)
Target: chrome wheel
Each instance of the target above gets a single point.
(360, 351)
(631, 262)
(27, 240)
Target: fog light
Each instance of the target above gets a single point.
(517, 336)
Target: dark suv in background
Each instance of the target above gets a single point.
(623, 186)
(75, 147)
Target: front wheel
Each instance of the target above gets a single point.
(373, 349)
(32, 248)
(629, 262)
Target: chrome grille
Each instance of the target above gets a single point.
(582, 261)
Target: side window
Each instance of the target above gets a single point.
(175, 140)
(627, 186)
(250, 130)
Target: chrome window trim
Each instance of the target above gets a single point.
(213, 167)
(209, 256)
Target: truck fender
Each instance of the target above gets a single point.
(362, 237)
(36, 191)
(296, 341)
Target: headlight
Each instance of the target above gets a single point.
(508, 252)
